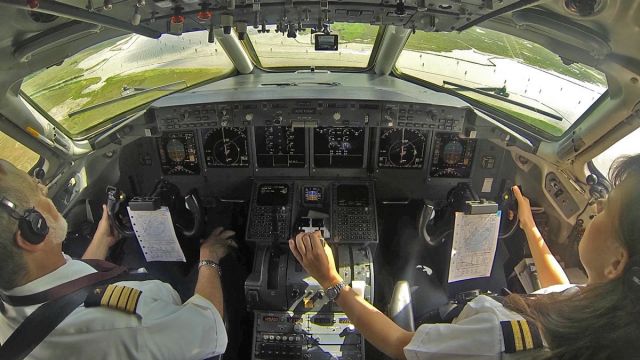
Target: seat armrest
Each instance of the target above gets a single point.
(400, 309)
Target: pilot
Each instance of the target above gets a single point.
(600, 320)
(147, 322)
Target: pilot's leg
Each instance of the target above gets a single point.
(417, 268)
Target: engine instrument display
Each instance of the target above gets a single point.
(338, 147)
(280, 147)
(452, 156)
(226, 147)
(402, 148)
(178, 154)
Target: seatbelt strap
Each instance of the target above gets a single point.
(37, 326)
(60, 301)
(104, 269)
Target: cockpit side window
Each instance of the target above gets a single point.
(19, 155)
(515, 77)
(625, 146)
(102, 83)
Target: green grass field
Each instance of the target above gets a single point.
(145, 79)
(492, 42)
(355, 33)
(72, 90)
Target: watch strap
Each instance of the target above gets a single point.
(337, 288)
(210, 263)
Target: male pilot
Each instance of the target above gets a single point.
(161, 327)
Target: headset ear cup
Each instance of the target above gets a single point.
(33, 227)
(632, 276)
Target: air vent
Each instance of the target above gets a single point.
(290, 84)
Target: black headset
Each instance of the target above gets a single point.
(632, 275)
(32, 225)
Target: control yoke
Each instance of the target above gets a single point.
(187, 212)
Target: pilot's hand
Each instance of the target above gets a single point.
(103, 239)
(104, 233)
(217, 245)
(524, 210)
(315, 256)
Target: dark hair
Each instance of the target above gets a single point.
(602, 321)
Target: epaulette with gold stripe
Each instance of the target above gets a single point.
(116, 297)
(520, 335)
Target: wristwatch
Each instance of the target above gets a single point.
(334, 291)
(212, 264)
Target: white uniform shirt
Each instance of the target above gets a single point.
(474, 335)
(165, 329)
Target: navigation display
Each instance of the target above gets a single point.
(273, 195)
(338, 147)
(280, 147)
(226, 147)
(452, 156)
(402, 148)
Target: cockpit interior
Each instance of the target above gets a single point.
(376, 123)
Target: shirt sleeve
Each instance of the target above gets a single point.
(478, 337)
(170, 330)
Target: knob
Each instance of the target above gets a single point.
(337, 116)
(431, 116)
(297, 328)
(249, 116)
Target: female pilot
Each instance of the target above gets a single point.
(598, 321)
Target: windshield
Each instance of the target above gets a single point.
(116, 76)
(510, 74)
(275, 50)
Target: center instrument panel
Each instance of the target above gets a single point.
(310, 165)
(293, 316)
(311, 137)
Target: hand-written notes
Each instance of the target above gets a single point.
(156, 235)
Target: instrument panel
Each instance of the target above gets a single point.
(338, 147)
(402, 148)
(226, 147)
(314, 135)
(452, 156)
(178, 153)
(280, 147)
